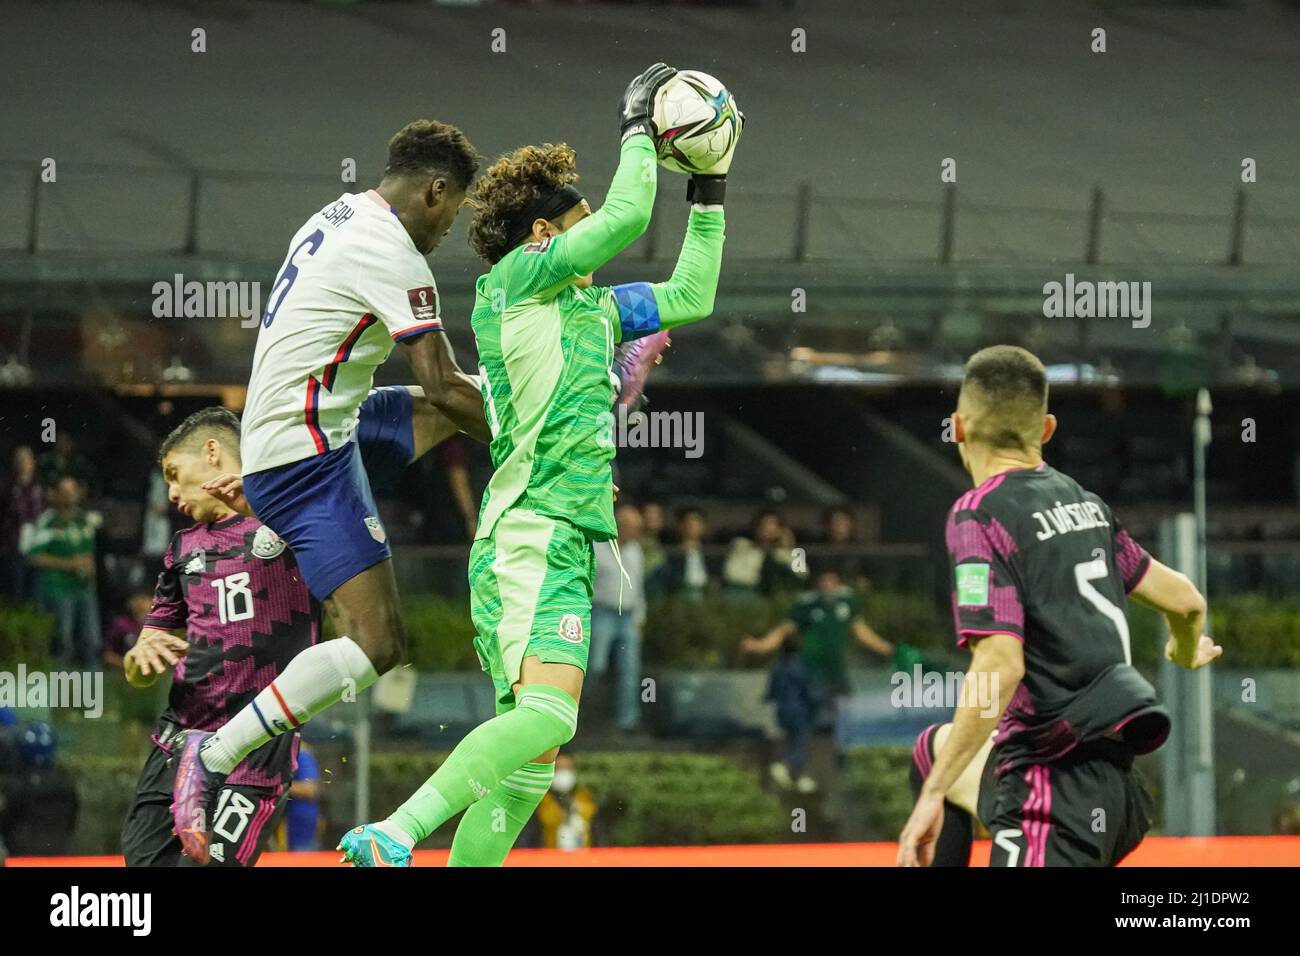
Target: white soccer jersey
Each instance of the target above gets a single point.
(352, 285)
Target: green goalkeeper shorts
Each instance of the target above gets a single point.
(530, 587)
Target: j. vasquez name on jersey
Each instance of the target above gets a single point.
(1076, 516)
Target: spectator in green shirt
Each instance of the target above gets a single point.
(827, 620)
(62, 548)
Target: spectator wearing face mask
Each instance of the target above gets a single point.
(566, 814)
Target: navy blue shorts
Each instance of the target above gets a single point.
(385, 436)
(324, 506)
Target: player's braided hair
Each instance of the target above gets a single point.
(213, 422)
(1008, 387)
(515, 182)
(428, 147)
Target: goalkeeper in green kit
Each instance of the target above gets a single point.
(546, 339)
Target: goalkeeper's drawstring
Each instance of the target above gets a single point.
(623, 575)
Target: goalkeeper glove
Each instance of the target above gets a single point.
(638, 103)
(710, 186)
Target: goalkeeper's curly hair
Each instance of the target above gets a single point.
(512, 184)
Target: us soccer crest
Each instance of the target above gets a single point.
(571, 628)
(267, 544)
(376, 529)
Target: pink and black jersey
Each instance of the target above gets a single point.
(235, 589)
(1035, 555)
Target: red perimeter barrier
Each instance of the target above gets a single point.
(1154, 851)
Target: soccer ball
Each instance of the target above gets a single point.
(698, 122)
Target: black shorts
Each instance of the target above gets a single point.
(244, 819)
(1086, 810)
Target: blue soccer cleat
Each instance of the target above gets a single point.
(367, 845)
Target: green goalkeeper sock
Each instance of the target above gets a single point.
(544, 718)
(489, 828)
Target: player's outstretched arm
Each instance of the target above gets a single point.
(430, 427)
(868, 638)
(769, 641)
(625, 214)
(643, 308)
(688, 294)
(446, 387)
(997, 665)
(1174, 595)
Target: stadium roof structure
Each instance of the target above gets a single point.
(1125, 165)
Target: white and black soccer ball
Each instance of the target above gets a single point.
(698, 122)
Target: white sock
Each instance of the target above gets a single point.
(317, 678)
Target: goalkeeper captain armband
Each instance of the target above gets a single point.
(707, 190)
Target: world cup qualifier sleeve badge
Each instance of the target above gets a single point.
(424, 303)
(571, 628)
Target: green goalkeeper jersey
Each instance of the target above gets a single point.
(546, 348)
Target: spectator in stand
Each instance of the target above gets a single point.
(827, 620)
(452, 456)
(63, 460)
(156, 526)
(687, 571)
(120, 635)
(840, 533)
(62, 547)
(652, 537)
(1286, 819)
(9, 729)
(302, 817)
(791, 689)
(38, 802)
(22, 499)
(764, 562)
(618, 614)
(566, 815)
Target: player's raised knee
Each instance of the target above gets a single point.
(559, 709)
(383, 638)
